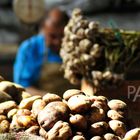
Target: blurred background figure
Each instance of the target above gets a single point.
(126, 13)
(38, 62)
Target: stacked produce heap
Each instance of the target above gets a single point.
(102, 56)
(76, 116)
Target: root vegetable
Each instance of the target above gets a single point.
(79, 103)
(95, 115)
(71, 92)
(133, 134)
(110, 136)
(4, 126)
(79, 122)
(5, 107)
(52, 113)
(114, 115)
(4, 97)
(11, 113)
(23, 112)
(8, 87)
(26, 121)
(100, 102)
(49, 97)
(60, 131)
(27, 103)
(37, 106)
(118, 128)
(117, 105)
(25, 95)
(43, 133)
(98, 129)
(2, 117)
(78, 138)
(19, 87)
(97, 138)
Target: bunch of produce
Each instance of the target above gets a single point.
(76, 116)
(102, 56)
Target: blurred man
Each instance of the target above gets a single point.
(37, 65)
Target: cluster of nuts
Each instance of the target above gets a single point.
(83, 52)
(76, 116)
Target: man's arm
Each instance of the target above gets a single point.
(34, 91)
(25, 70)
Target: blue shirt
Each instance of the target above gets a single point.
(30, 58)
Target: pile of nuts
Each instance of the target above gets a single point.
(76, 116)
(85, 52)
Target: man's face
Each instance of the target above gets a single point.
(53, 36)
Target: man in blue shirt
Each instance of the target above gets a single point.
(40, 51)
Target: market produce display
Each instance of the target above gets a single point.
(99, 55)
(76, 116)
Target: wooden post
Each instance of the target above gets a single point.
(87, 87)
